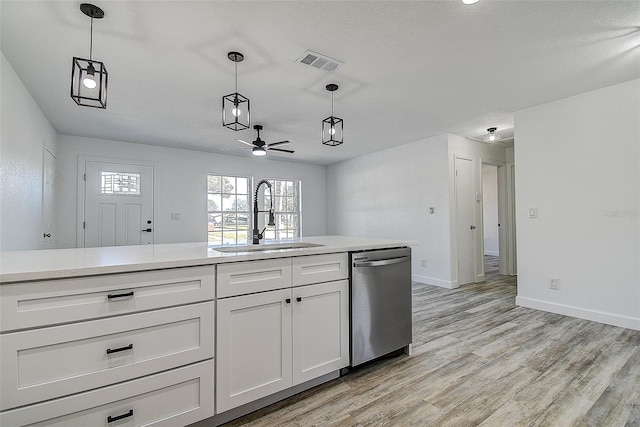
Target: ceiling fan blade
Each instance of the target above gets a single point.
(273, 144)
(245, 142)
(280, 149)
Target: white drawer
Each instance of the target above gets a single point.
(320, 268)
(41, 303)
(46, 363)
(240, 278)
(173, 398)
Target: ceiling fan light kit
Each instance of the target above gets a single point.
(332, 127)
(492, 135)
(235, 107)
(260, 148)
(89, 77)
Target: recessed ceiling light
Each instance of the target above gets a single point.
(470, 1)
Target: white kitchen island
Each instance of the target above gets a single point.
(170, 334)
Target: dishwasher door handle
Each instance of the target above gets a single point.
(381, 262)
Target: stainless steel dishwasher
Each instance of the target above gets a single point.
(380, 303)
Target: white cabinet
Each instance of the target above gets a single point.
(240, 278)
(45, 363)
(320, 329)
(172, 398)
(254, 347)
(269, 341)
(74, 351)
(320, 268)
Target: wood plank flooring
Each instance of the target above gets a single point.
(478, 360)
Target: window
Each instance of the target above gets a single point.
(286, 204)
(119, 183)
(228, 208)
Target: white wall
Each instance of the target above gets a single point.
(24, 133)
(578, 163)
(490, 209)
(388, 194)
(180, 178)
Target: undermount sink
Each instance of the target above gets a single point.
(267, 247)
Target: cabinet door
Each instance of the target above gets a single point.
(254, 347)
(320, 329)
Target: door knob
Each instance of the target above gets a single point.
(473, 227)
(147, 230)
(47, 234)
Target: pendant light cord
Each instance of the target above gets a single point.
(236, 64)
(332, 106)
(91, 42)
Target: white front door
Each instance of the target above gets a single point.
(118, 204)
(465, 212)
(48, 191)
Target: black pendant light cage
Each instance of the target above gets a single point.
(85, 68)
(332, 127)
(89, 70)
(236, 111)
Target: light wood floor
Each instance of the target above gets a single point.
(480, 360)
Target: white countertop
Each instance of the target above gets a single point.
(59, 263)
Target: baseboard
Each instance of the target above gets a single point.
(581, 313)
(436, 282)
(492, 253)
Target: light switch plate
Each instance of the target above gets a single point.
(533, 212)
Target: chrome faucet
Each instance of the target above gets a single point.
(257, 235)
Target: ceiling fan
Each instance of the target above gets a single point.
(260, 147)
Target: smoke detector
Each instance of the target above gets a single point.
(319, 61)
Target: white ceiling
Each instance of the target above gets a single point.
(412, 69)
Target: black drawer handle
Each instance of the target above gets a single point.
(128, 295)
(299, 299)
(288, 300)
(117, 350)
(111, 419)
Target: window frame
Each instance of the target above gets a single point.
(273, 233)
(227, 215)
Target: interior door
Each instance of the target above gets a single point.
(503, 221)
(118, 207)
(48, 196)
(465, 211)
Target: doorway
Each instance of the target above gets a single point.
(118, 204)
(490, 220)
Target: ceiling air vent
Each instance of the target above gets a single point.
(316, 60)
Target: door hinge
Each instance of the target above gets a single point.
(85, 176)
(84, 225)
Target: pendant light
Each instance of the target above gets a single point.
(492, 136)
(89, 77)
(235, 107)
(332, 127)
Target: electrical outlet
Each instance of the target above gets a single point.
(424, 262)
(175, 216)
(554, 284)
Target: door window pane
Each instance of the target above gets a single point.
(119, 183)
